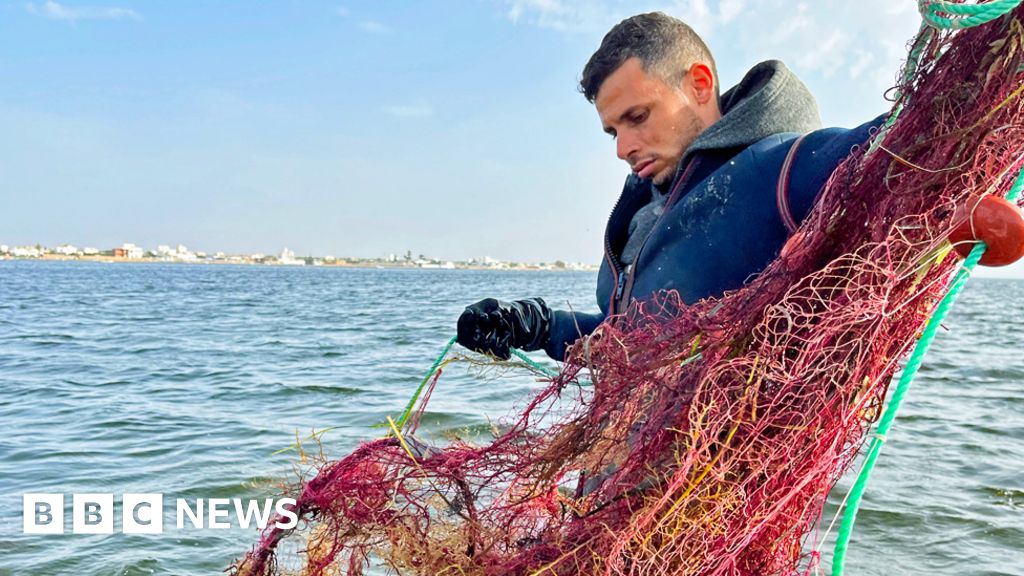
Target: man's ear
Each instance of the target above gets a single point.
(703, 82)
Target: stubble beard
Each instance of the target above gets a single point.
(696, 127)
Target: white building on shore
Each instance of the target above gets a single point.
(287, 258)
(26, 252)
(132, 251)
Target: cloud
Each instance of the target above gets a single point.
(368, 26)
(829, 55)
(863, 61)
(821, 36)
(374, 27)
(576, 16)
(418, 110)
(55, 11)
(768, 22)
(562, 15)
(730, 9)
(849, 53)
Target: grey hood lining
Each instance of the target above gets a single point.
(769, 100)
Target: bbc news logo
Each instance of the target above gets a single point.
(144, 513)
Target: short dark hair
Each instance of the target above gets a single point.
(666, 46)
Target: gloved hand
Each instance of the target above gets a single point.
(494, 327)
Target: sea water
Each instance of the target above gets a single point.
(193, 381)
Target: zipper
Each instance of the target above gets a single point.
(618, 279)
(625, 283)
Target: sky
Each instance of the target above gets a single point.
(449, 128)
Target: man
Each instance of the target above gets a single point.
(719, 183)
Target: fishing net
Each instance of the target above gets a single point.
(712, 431)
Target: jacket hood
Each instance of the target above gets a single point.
(769, 100)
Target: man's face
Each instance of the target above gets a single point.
(652, 123)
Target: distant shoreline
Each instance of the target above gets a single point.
(371, 265)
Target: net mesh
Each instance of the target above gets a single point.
(713, 430)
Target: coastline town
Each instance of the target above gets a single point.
(164, 253)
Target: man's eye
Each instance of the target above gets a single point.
(639, 118)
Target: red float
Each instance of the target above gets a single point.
(997, 222)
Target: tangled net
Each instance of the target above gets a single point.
(714, 430)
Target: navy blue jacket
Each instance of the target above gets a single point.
(722, 222)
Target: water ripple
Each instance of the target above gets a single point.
(194, 381)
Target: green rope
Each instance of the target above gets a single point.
(544, 369)
(958, 16)
(909, 371)
(924, 36)
(973, 15)
(969, 15)
(400, 422)
(536, 366)
(423, 384)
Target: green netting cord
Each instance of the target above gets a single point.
(909, 371)
(423, 384)
(439, 363)
(936, 14)
(941, 15)
(954, 16)
(957, 16)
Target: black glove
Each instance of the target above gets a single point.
(494, 327)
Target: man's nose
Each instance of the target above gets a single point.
(625, 146)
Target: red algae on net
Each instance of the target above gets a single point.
(714, 430)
